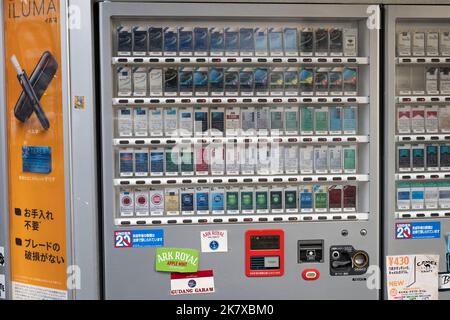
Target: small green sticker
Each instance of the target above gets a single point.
(322, 121)
(291, 120)
(290, 199)
(177, 260)
(172, 161)
(276, 200)
(349, 159)
(307, 119)
(321, 200)
(247, 200)
(262, 200)
(232, 200)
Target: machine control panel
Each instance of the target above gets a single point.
(265, 253)
(347, 261)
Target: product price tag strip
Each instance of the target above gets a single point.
(423, 214)
(339, 139)
(230, 219)
(423, 60)
(423, 176)
(219, 60)
(423, 138)
(155, 181)
(172, 101)
(423, 99)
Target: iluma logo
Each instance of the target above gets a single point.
(30, 8)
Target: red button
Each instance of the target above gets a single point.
(311, 274)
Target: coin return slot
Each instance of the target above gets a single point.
(310, 251)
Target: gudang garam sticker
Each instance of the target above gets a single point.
(412, 277)
(177, 260)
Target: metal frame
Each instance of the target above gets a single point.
(391, 246)
(230, 284)
(84, 231)
(4, 199)
(65, 74)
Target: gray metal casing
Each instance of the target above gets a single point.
(130, 273)
(393, 246)
(79, 143)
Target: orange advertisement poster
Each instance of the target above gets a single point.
(35, 149)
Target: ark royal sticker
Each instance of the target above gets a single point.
(177, 260)
(192, 283)
(412, 277)
(214, 241)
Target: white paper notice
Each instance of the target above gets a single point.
(412, 277)
(2, 286)
(192, 283)
(214, 241)
(2, 257)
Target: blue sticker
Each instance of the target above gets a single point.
(139, 239)
(217, 201)
(170, 40)
(37, 160)
(448, 243)
(447, 256)
(202, 201)
(214, 245)
(418, 230)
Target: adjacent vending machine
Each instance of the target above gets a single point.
(417, 152)
(239, 151)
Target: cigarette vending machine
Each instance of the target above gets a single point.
(239, 150)
(49, 241)
(417, 152)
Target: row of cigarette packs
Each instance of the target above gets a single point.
(420, 157)
(248, 81)
(235, 41)
(429, 80)
(234, 200)
(423, 195)
(233, 159)
(423, 119)
(236, 121)
(421, 43)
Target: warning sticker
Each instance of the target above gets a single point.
(139, 239)
(418, 230)
(192, 283)
(22, 291)
(412, 277)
